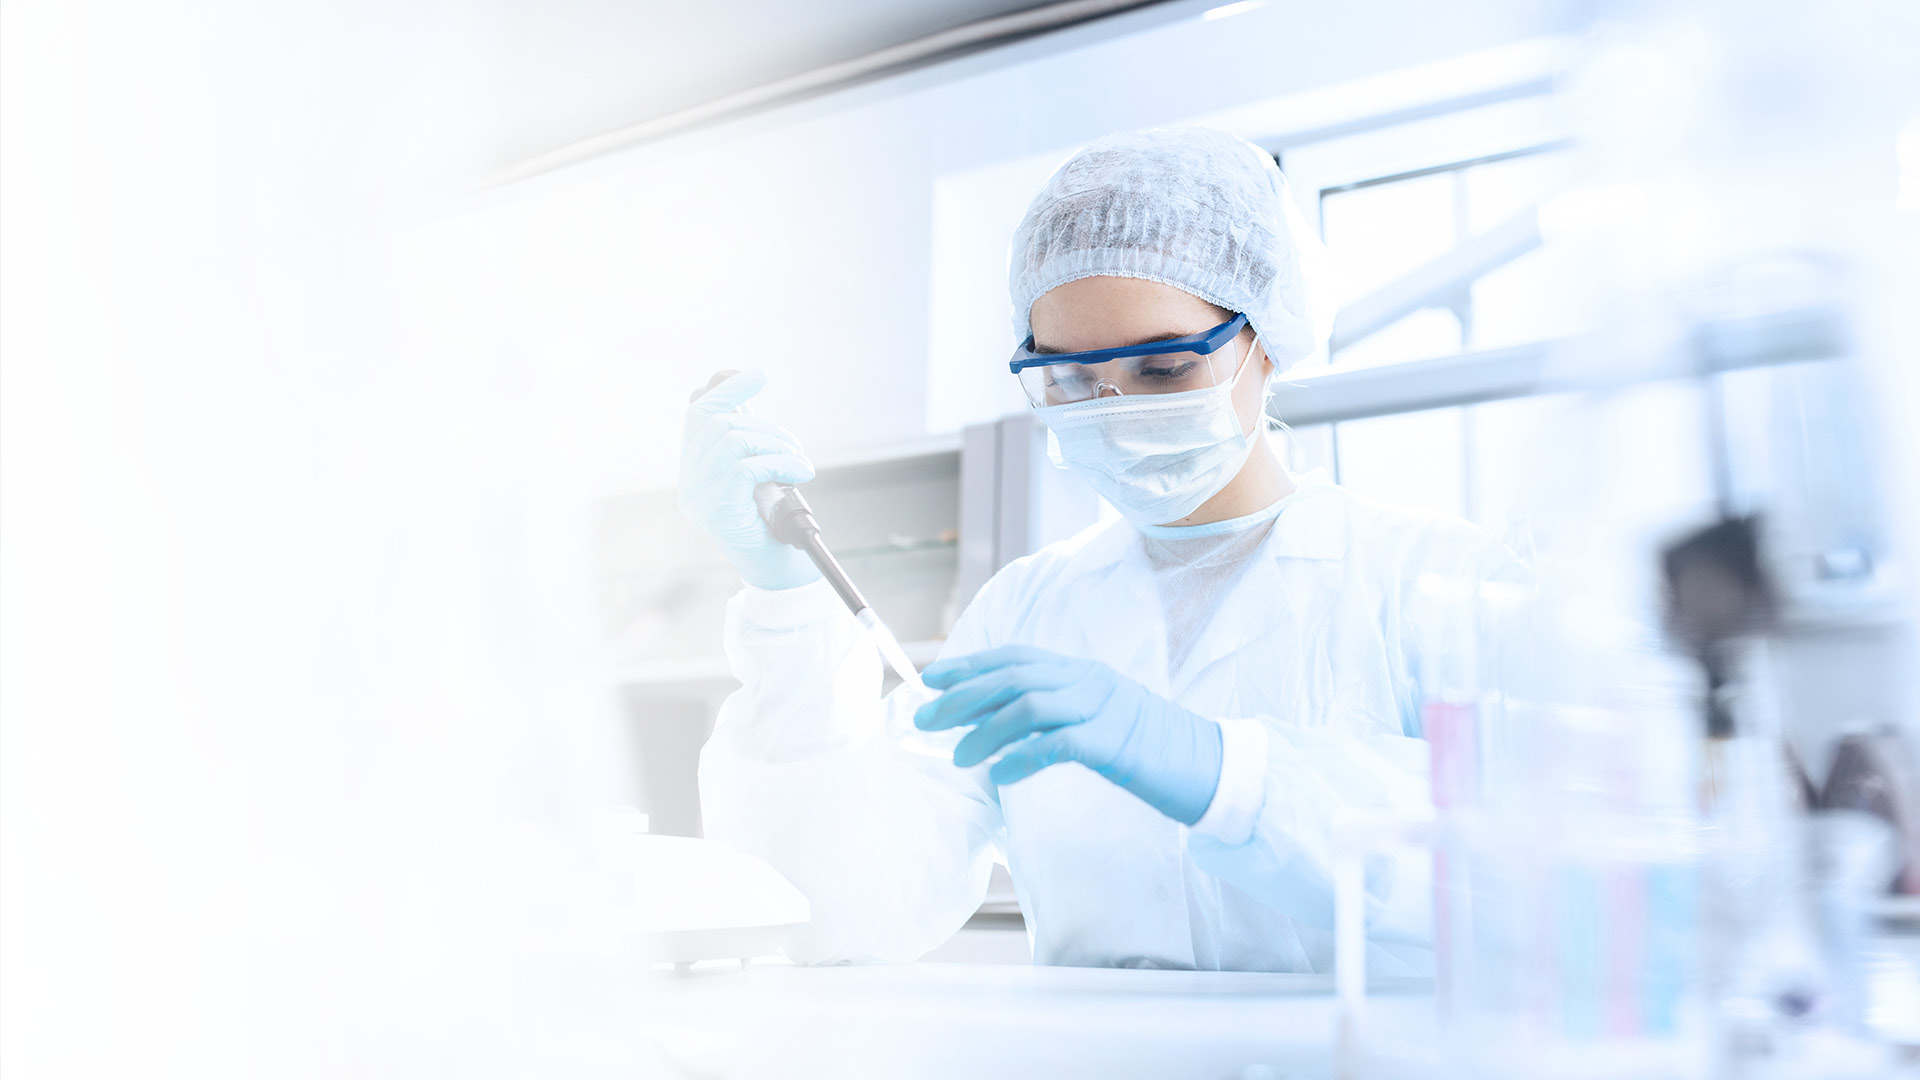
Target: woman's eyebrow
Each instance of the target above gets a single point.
(1048, 350)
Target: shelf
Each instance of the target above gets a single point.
(921, 653)
(1335, 394)
(712, 673)
(689, 669)
(926, 446)
(899, 547)
(907, 454)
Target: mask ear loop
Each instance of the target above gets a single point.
(1295, 452)
(1234, 381)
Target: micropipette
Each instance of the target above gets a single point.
(791, 522)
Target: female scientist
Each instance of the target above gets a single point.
(1182, 702)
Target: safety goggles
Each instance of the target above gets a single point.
(1193, 362)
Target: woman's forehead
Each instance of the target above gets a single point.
(1106, 312)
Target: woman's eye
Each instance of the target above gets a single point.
(1168, 371)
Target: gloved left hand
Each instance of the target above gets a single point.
(1078, 710)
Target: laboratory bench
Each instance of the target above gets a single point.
(1005, 1021)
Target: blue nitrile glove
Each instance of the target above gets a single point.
(723, 454)
(1078, 710)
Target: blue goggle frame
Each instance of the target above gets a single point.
(1206, 343)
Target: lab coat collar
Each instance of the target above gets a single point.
(1112, 589)
(1112, 584)
(1312, 525)
(1313, 521)
(1309, 525)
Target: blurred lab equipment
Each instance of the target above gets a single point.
(1692, 870)
(1717, 596)
(1810, 820)
(1873, 773)
(1650, 868)
(1597, 908)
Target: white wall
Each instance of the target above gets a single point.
(300, 715)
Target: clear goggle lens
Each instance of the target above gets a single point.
(1162, 373)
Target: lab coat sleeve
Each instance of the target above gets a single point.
(1242, 787)
(891, 849)
(1317, 771)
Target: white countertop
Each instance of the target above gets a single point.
(999, 1021)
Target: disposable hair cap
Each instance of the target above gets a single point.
(1191, 207)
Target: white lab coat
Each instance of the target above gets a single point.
(1310, 663)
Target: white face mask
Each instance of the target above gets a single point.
(1155, 457)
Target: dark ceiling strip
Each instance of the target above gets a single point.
(944, 45)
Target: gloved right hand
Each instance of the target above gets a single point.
(723, 454)
(1051, 708)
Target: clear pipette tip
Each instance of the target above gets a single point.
(890, 650)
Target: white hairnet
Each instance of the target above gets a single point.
(1191, 207)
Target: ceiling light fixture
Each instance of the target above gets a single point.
(1226, 11)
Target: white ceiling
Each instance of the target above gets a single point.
(280, 114)
(584, 67)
